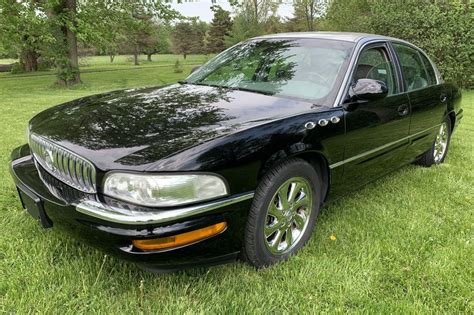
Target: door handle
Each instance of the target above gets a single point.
(403, 110)
(443, 98)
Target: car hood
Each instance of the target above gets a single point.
(130, 129)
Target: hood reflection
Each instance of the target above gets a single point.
(137, 127)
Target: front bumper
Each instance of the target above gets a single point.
(112, 225)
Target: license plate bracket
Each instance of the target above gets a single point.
(34, 205)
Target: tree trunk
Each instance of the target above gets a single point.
(112, 57)
(67, 56)
(72, 48)
(148, 57)
(29, 59)
(184, 56)
(136, 52)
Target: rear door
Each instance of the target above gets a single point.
(427, 96)
(377, 130)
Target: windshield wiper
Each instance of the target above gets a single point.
(233, 88)
(250, 90)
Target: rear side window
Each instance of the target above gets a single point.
(414, 71)
(429, 69)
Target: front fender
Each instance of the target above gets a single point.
(243, 156)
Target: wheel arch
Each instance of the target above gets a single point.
(452, 117)
(315, 158)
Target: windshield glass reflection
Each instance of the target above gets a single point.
(300, 68)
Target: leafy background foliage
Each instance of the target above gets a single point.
(444, 29)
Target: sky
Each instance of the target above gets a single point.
(202, 9)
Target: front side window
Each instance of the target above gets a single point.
(309, 69)
(375, 64)
(413, 69)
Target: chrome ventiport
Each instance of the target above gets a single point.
(335, 119)
(310, 125)
(323, 122)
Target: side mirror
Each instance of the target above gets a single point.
(195, 69)
(368, 89)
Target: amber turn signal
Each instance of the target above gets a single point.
(180, 239)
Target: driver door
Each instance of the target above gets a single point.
(376, 130)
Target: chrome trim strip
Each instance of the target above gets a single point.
(363, 154)
(126, 216)
(21, 160)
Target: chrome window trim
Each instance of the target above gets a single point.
(133, 217)
(363, 154)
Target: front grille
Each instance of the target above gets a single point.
(61, 190)
(63, 164)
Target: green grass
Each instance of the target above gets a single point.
(404, 244)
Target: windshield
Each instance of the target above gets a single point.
(309, 69)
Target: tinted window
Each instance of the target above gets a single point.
(414, 72)
(302, 68)
(429, 70)
(374, 64)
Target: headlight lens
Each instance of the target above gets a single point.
(163, 190)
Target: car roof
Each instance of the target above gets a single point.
(343, 36)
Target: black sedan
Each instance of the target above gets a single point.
(238, 159)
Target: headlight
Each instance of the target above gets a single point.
(163, 190)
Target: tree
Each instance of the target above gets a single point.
(221, 26)
(251, 17)
(182, 39)
(54, 27)
(306, 12)
(23, 32)
(140, 34)
(188, 37)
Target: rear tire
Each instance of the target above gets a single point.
(438, 151)
(283, 213)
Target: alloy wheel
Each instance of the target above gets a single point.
(441, 143)
(288, 215)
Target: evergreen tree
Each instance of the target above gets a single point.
(221, 26)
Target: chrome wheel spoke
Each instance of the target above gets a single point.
(302, 201)
(295, 188)
(271, 229)
(289, 237)
(275, 212)
(299, 220)
(276, 242)
(283, 198)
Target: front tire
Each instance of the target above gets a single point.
(438, 151)
(283, 213)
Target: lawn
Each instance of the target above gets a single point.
(403, 244)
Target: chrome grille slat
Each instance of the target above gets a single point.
(63, 164)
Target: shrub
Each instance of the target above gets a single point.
(17, 68)
(178, 68)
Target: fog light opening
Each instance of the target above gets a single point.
(180, 239)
